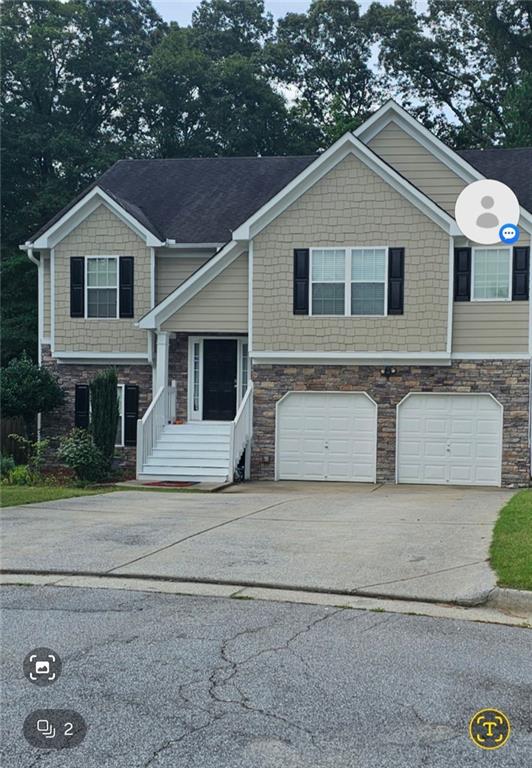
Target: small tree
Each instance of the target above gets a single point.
(26, 390)
(104, 412)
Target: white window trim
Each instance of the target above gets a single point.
(510, 271)
(122, 415)
(347, 278)
(193, 415)
(86, 281)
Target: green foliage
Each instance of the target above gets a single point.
(104, 412)
(7, 463)
(19, 475)
(18, 308)
(78, 452)
(27, 389)
(36, 455)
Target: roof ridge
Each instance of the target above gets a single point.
(216, 157)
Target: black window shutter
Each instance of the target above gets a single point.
(131, 413)
(126, 286)
(77, 286)
(301, 281)
(396, 281)
(81, 406)
(520, 275)
(462, 274)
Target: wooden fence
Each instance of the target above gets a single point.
(8, 446)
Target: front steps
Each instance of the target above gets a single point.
(196, 452)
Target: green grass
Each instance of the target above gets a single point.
(511, 548)
(13, 495)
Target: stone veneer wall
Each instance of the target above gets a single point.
(178, 371)
(61, 421)
(507, 380)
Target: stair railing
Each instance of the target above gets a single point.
(161, 411)
(241, 431)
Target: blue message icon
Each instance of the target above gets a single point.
(509, 233)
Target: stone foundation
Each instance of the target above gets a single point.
(59, 422)
(507, 380)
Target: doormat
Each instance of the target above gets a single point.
(170, 484)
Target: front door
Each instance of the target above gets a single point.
(219, 379)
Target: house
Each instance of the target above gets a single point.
(313, 318)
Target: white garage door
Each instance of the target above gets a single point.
(326, 436)
(455, 439)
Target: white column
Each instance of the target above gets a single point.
(161, 371)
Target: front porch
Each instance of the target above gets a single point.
(199, 423)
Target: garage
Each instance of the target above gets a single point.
(326, 436)
(453, 439)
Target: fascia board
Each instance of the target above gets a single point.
(83, 208)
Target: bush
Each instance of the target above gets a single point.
(36, 455)
(78, 451)
(104, 412)
(27, 390)
(19, 475)
(7, 463)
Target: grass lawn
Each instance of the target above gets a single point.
(13, 495)
(511, 548)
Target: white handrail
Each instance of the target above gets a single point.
(161, 411)
(241, 430)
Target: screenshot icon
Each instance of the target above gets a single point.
(42, 666)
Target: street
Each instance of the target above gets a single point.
(206, 682)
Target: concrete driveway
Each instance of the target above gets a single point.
(417, 542)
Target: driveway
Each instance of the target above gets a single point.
(417, 542)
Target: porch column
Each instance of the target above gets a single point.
(161, 369)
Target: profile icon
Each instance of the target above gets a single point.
(483, 208)
(487, 219)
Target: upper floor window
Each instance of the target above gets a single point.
(348, 281)
(102, 286)
(491, 274)
(368, 281)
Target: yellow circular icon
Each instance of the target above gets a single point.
(489, 729)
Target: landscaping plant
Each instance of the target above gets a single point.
(104, 413)
(78, 451)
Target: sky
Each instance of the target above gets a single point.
(181, 10)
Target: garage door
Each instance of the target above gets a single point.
(455, 439)
(326, 436)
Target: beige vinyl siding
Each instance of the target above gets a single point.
(46, 295)
(171, 271)
(490, 326)
(102, 233)
(222, 306)
(418, 165)
(351, 206)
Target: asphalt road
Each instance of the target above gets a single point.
(200, 682)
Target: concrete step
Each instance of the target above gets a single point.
(205, 461)
(196, 474)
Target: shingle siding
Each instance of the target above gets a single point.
(351, 206)
(100, 234)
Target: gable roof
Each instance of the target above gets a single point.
(511, 166)
(193, 200)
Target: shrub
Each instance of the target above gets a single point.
(104, 412)
(7, 463)
(36, 454)
(78, 451)
(19, 475)
(26, 390)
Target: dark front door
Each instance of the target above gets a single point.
(219, 379)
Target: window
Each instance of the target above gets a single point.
(244, 370)
(102, 286)
(328, 282)
(120, 427)
(492, 274)
(368, 281)
(196, 377)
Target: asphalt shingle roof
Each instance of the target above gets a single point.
(202, 200)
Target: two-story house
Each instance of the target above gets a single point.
(315, 317)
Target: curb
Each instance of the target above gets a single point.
(510, 599)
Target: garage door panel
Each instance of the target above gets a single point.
(449, 439)
(326, 436)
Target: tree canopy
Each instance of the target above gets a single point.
(87, 82)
